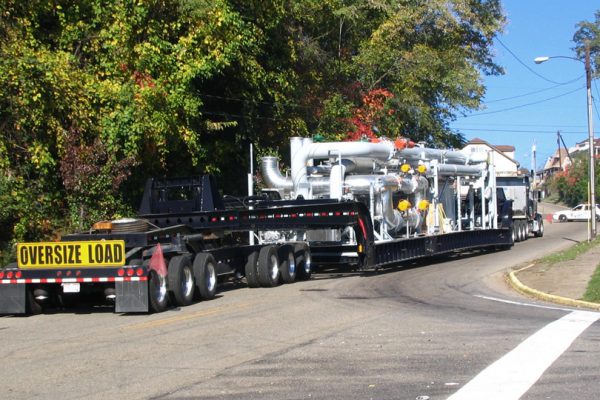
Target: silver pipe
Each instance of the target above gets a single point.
(273, 177)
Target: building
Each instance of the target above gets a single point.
(503, 156)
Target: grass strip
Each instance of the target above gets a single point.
(571, 253)
(592, 293)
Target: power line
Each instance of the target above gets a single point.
(553, 132)
(532, 93)
(528, 67)
(522, 105)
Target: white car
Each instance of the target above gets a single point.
(578, 213)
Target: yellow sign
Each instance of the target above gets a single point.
(102, 253)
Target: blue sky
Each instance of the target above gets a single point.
(522, 108)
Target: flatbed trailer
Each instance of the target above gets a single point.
(186, 237)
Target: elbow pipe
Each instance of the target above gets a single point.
(273, 177)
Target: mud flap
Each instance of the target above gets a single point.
(13, 299)
(132, 296)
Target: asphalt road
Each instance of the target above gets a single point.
(420, 332)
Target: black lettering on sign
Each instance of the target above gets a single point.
(99, 253)
(77, 254)
(108, 256)
(24, 255)
(58, 254)
(48, 254)
(118, 254)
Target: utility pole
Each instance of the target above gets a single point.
(588, 81)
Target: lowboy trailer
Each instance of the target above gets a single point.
(362, 205)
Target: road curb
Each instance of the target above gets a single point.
(520, 287)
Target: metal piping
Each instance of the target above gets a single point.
(273, 177)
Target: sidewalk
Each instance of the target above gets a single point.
(562, 283)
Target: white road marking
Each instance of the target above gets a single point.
(518, 303)
(512, 375)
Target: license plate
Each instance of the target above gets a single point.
(70, 287)
(99, 253)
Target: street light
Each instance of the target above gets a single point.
(588, 79)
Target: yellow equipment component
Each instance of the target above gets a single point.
(404, 205)
(423, 205)
(405, 168)
(421, 169)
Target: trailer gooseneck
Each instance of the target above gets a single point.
(359, 204)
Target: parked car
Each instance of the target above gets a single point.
(580, 212)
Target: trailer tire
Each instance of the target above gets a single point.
(205, 276)
(287, 264)
(180, 280)
(32, 306)
(251, 270)
(517, 231)
(158, 295)
(303, 262)
(268, 267)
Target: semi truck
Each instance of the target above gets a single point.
(526, 218)
(362, 205)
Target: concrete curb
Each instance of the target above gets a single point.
(526, 290)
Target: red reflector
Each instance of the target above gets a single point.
(9, 274)
(139, 271)
(231, 217)
(1, 274)
(18, 274)
(130, 272)
(58, 273)
(68, 273)
(337, 214)
(121, 272)
(309, 214)
(78, 273)
(214, 219)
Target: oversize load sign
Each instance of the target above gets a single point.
(103, 253)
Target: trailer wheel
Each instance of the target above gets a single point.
(157, 292)
(268, 267)
(205, 276)
(287, 265)
(32, 306)
(303, 262)
(181, 280)
(251, 270)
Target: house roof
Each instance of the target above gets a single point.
(558, 159)
(502, 149)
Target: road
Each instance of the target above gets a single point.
(450, 328)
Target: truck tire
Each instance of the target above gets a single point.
(205, 276)
(517, 231)
(525, 228)
(158, 295)
(251, 270)
(268, 267)
(180, 280)
(540, 230)
(303, 262)
(287, 264)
